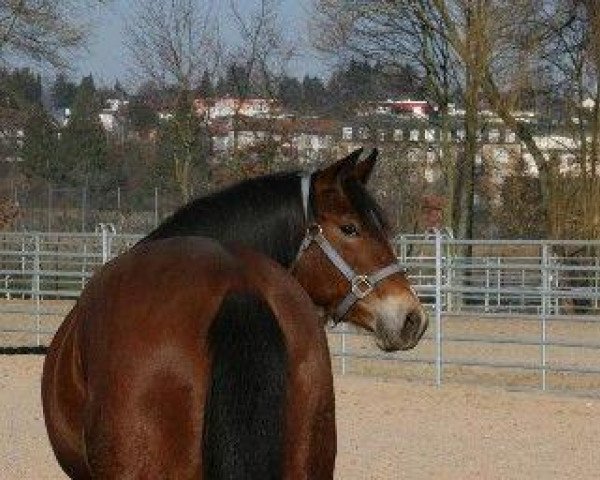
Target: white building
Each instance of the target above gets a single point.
(230, 106)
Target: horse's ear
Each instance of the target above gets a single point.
(363, 170)
(344, 166)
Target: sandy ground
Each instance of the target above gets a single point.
(386, 430)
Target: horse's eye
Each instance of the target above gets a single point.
(349, 230)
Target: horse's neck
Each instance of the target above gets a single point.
(271, 230)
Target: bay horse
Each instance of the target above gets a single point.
(197, 355)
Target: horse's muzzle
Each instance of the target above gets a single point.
(407, 336)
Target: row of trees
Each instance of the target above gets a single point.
(79, 155)
(83, 153)
(347, 87)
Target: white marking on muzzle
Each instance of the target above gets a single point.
(391, 311)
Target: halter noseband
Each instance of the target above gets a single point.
(360, 285)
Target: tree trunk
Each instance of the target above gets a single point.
(465, 191)
(524, 134)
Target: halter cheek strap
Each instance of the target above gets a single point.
(360, 285)
(305, 189)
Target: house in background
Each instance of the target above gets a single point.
(112, 116)
(403, 108)
(301, 139)
(212, 109)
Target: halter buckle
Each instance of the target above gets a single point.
(361, 286)
(314, 230)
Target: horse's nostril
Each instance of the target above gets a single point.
(412, 325)
(411, 320)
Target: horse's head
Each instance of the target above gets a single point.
(346, 262)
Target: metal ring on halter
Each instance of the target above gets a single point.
(314, 230)
(361, 286)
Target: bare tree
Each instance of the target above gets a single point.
(399, 32)
(172, 43)
(43, 30)
(264, 50)
(263, 54)
(559, 44)
(491, 43)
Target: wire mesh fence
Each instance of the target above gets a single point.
(518, 314)
(45, 207)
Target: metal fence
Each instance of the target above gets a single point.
(41, 275)
(518, 314)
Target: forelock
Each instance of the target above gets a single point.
(365, 205)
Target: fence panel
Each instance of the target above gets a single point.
(517, 314)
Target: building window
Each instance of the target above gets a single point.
(398, 134)
(414, 135)
(347, 133)
(382, 136)
(429, 135)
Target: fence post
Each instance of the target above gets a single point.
(438, 307)
(36, 284)
(486, 298)
(596, 283)
(545, 288)
(104, 235)
(450, 273)
(523, 289)
(107, 230)
(499, 282)
(555, 280)
(155, 207)
(84, 264)
(403, 250)
(344, 349)
(23, 264)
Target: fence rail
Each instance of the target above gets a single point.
(521, 314)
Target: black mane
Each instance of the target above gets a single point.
(264, 213)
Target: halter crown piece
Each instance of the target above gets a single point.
(361, 285)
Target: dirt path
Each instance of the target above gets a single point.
(385, 430)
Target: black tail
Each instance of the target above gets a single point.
(244, 411)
